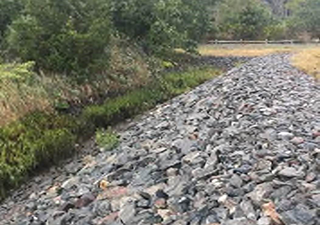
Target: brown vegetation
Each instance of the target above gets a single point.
(306, 57)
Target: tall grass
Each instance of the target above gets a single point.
(22, 91)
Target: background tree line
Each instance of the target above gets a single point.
(266, 19)
(73, 36)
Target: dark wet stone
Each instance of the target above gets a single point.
(101, 208)
(66, 206)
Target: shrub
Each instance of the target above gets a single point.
(36, 141)
(9, 10)
(242, 19)
(137, 101)
(66, 36)
(162, 25)
(277, 31)
(305, 18)
(178, 83)
(21, 92)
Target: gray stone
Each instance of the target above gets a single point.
(291, 172)
(300, 215)
(260, 192)
(71, 182)
(236, 181)
(239, 221)
(128, 212)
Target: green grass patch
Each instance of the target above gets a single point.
(42, 139)
(106, 139)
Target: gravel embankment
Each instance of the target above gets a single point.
(242, 149)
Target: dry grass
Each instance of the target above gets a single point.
(242, 50)
(308, 60)
(249, 50)
(16, 100)
(306, 57)
(37, 93)
(22, 91)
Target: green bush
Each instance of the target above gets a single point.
(73, 37)
(36, 141)
(9, 10)
(67, 36)
(115, 110)
(137, 101)
(178, 83)
(16, 72)
(276, 31)
(242, 19)
(305, 18)
(162, 25)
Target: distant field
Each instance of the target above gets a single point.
(306, 57)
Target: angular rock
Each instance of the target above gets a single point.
(291, 172)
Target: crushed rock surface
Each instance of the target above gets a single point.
(241, 149)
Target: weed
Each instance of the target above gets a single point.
(106, 139)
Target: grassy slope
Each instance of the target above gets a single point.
(43, 138)
(23, 92)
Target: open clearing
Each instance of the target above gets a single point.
(306, 56)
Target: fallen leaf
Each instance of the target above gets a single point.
(103, 184)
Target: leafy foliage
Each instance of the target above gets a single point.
(306, 17)
(35, 141)
(63, 36)
(242, 19)
(9, 10)
(18, 72)
(73, 37)
(162, 25)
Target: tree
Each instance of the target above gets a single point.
(306, 17)
(9, 10)
(65, 36)
(161, 25)
(242, 19)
